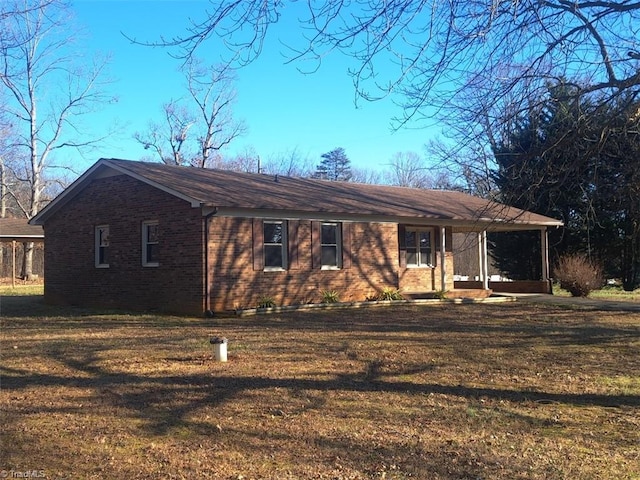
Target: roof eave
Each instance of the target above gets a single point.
(195, 203)
(21, 237)
(66, 194)
(93, 172)
(461, 224)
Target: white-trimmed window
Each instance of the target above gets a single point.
(419, 247)
(275, 242)
(331, 244)
(150, 244)
(102, 246)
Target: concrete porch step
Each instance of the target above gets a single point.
(455, 293)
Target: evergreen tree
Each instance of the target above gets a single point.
(335, 166)
(531, 175)
(573, 161)
(615, 183)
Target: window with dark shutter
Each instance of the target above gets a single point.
(316, 245)
(270, 250)
(258, 254)
(331, 245)
(328, 245)
(417, 245)
(274, 235)
(402, 254)
(346, 245)
(292, 240)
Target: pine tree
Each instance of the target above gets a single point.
(335, 166)
(578, 162)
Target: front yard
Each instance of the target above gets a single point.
(503, 391)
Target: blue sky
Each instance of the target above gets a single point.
(283, 108)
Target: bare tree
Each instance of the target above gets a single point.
(408, 169)
(247, 161)
(469, 165)
(168, 138)
(46, 92)
(366, 175)
(6, 139)
(195, 128)
(290, 163)
(3, 188)
(213, 92)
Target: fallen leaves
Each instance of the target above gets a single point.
(482, 391)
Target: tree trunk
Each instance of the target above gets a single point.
(3, 190)
(27, 261)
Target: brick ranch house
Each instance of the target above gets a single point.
(148, 236)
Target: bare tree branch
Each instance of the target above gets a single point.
(46, 93)
(424, 53)
(195, 136)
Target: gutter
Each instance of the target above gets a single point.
(476, 224)
(207, 284)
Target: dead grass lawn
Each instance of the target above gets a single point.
(503, 391)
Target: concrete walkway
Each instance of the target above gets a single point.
(576, 302)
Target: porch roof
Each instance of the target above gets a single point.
(19, 229)
(261, 195)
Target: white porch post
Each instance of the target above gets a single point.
(480, 262)
(484, 259)
(544, 248)
(443, 269)
(13, 264)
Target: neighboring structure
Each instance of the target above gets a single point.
(15, 232)
(151, 236)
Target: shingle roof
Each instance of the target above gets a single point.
(249, 191)
(19, 229)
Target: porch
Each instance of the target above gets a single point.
(478, 274)
(478, 280)
(516, 286)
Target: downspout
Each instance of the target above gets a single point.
(207, 283)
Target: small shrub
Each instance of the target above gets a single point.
(578, 275)
(266, 302)
(440, 294)
(330, 296)
(389, 293)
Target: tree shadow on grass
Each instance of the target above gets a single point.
(166, 402)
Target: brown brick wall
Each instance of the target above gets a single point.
(374, 266)
(123, 203)
(235, 284)
(427, 279)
